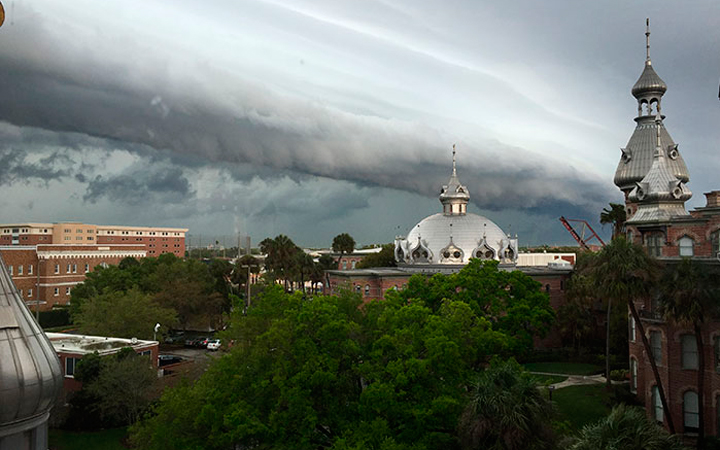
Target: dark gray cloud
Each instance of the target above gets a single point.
(142, 187)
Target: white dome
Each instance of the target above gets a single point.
(454, 239)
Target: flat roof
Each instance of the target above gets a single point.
(81, 344)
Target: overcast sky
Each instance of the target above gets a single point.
(313, 118)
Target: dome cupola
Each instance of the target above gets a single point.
(649, 88)
(454, 196)
(30, 373)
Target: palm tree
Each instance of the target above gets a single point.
(688, 301)
(626, 428)
(624, 272)
(281, 257)
(616, 216)
(506, 411)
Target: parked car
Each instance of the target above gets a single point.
(166, 360)
(214, 344)
(201, 342)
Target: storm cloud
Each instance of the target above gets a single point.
(273, 95)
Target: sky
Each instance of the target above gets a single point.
(314, 118)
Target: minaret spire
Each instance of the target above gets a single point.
(647, 41)
(454, 171)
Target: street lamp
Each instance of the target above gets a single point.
(157, 327)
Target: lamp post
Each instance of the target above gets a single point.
(155, 330)
(248, 266)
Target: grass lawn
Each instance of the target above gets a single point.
(548, 379)
(564, 367)
(581, 405)
(91, 440)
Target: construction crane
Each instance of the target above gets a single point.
(580, 238)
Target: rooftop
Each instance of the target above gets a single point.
(79, 344)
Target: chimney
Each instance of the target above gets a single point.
(713, 199)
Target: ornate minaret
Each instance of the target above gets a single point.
(638, 155)
(454, 196)
(660, 195)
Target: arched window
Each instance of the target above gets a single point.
(633, 375)
(689, 352)
(656, 345)
(686, 245)
(657, 405)
(691, 411)
(357, 288)
(344, 265)
(352, 265)
(367, 290)
(715, 241)
(547, 288)
(631, 328)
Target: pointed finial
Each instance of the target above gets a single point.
(454, 171)
(658, 148)
(647, 40)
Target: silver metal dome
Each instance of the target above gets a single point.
(30, 373)
(454, 239)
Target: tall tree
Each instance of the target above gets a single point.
(326, 262)
(384, 258)
(281, 257)
(616, 216)
(688, 300)
(624, 272)
(123, 314)
(626, 428)
(343, 243)
(506, 411)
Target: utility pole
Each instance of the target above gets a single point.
(246, 266)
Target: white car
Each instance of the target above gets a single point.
(214, 344)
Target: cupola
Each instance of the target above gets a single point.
(454, 196)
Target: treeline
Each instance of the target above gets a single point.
(127, 300)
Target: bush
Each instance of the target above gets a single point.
(621, 394)
(619, 375)
(57, 317)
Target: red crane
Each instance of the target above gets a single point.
(580, 238)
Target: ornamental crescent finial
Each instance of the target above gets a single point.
(454, 171)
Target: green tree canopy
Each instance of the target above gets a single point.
(324, 373)
(384, 258)
(123, 314)
(343, 243)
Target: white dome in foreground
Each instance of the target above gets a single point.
(454, 236)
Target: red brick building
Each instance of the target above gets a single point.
(652, 175)
(47, 260)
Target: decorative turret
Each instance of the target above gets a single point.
(454, 196)
(637, 156)
(660, 195)
(30, 373)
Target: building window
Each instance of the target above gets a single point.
(56, 292)
(633, 375)
(74, 268)
(691, 412)
(630, 236)
(654, 244)
(20, 269)
(20, 292)
(146, 353)
(344, 265)
(633, 334)
(87, 268)
(30, 269)
(657, 404)
(357, 289)
(29, 293)
(686, 246)
(57, 268)
(352, 265)
(715, 242)
(69, 268)
(367, 290)
(689, 352)
(67, 291)
(656, 345)
(70, 367)
(10, 269)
